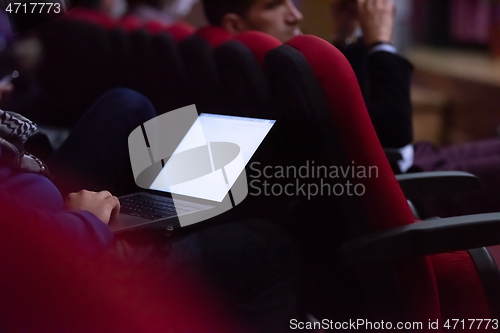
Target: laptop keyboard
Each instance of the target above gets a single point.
(148, 207)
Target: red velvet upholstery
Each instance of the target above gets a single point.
(215, 36)
(239, 64)
(384, 202)
(92, 16)
(49, 285)
(259, 43)
(387, 206)
(460, 291)
(129, 23)
(180, 31)
(154, 27)
(445, 286)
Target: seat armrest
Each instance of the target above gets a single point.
(423, 184)
(425, 238)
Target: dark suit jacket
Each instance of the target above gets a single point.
(384, 79)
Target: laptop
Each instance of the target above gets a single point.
(192, 168)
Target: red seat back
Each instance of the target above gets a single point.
(129, 23)
(259, 43)
(197, 53)
(386, 205)
(383, 202)
(180, 31)
(154, 27)
(215, 36)
(239, 63)
(91, 16)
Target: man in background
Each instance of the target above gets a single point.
(384, 76)
(279, 18)
(363, 32)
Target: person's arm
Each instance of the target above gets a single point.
(389, 75)
(376, 19)
(383, 75)
(388, 99)
(32, 202)
(82, 229)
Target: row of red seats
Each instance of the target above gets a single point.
(309, 86)
(82, 60)
(403, 266)
(129, 23)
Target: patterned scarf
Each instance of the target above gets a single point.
(14, 131)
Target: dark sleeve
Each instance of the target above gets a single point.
(357, 55)
(384, 79)
(31, 203)
(388, 99)
(81, 230)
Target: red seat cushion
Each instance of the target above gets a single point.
(460, 290)
(154, 27)
(180, 31)
(130, 23)
(92, 16)
(215, 36)
(385, 202)
(259, 43)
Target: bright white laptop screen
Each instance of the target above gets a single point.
(211, 156)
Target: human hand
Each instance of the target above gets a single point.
(376, 18)
(102, 204)
(345, 18)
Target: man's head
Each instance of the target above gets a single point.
(279, 18)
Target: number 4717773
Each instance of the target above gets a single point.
(471, 324)
(34, 8)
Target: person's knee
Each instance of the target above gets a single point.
(127, 102)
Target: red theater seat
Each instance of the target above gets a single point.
(129, 23)
(180, 31)
(393, 255)
(239, 63)
(154, 27)
(259, 43)
(91, 16)
(215, 36)
(197, 53)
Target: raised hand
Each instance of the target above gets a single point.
(376, 18)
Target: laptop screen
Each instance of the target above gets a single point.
(211, 156)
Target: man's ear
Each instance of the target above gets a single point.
(234, 23)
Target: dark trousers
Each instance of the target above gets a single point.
(95, 156)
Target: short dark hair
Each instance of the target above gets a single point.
(216, 9)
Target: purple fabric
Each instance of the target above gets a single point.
(6, 34)
(34, 195)
(478, 155)
(481, 158)
(478, 16)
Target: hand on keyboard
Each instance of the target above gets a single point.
(102, 204)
